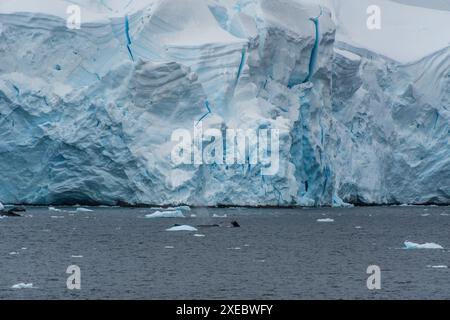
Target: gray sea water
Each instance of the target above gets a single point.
(275, 254)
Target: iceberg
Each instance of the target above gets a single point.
(22, 286)
(165, 214)
(438, 267)
(182, 228)
(219, 215)
(87, 115)
(325, 220)
(83, 210)
(431, 245)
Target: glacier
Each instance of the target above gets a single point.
(86, 115)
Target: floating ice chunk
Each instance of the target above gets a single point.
(13, 253)
(23, 286)
(2, 207)
(425, 215)
(83, 210)
(431, 245)
(77, 256)
(235, 248)
(219, 216)
(193, 215)
(169, 247)
(438, 267)
(54, 209)
(325, 220)
(445, 214)
(182, 228)
(199, 235)
(57, 217)
(165, 214)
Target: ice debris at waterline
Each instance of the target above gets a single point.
(165, 214)
(363, 116)
(181, 208)
(431, 245)
(22, 286)
(182, 228)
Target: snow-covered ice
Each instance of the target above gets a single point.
(86, 116)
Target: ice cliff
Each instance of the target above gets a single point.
(86, 115)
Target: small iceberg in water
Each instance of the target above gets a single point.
(22, 286)
(431, 245)
(438, 267)
(83, 210)
(220, 216)
(182, 228)
(165, 214)
(325, 220)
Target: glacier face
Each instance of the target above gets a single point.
(86, 116)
